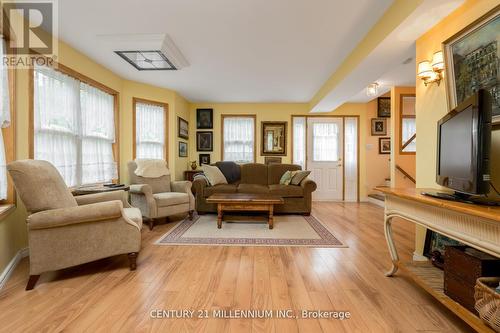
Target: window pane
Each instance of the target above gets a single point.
(299, 141)
(4, 120)
(239, 139)
(325, 142)
(150, 131)
(409, 128)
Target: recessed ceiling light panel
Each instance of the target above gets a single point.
(147, 60)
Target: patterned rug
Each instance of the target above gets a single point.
(289, 230)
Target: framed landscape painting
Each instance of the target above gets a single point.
(384, 107)
(182, 128)
(472, 61)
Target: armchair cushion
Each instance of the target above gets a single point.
(171, 199)
(158, 184)
(40, 185)
(73, 215)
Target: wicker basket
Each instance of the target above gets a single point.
(488, 301)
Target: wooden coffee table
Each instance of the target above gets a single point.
(245, 202)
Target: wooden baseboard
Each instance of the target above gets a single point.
(9, 269)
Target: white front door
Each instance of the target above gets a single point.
(324, 157)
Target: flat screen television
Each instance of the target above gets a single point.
(463, 154)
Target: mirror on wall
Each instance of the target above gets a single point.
(408, 127)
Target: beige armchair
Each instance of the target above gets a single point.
(65, 231)
(159, 197)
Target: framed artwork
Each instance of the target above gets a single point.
(272, 160)
(183, 149)
(384, 146)
(204, 141)
(273, 138)
(472, 60)
(384, 107)
(379, 126)
(204, 118)
(182, 128)
(204, 159)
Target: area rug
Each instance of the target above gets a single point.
(289, 230)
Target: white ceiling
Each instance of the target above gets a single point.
(238, 50)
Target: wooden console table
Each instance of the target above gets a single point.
(476, 226)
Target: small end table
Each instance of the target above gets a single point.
(189, 174)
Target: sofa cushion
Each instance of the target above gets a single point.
(254, 173)
(170, 198)
(221, 188)
(253, 188)
(299, 177)
(287, 191)
(213, 174)
(230, 170)
(276, 171)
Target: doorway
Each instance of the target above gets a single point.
(328, 147)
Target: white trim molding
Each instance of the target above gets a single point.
(9, 269)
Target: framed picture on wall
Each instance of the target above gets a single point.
(273, 138)
(379, 127)
(204, 159)
(384, 146)
(182, 128)
(204, 118)
(384, 107)
(471, 61)
(183, 149)
(204, 141)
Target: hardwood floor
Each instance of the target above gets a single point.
(106, 296)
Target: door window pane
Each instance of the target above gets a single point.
(325, 142)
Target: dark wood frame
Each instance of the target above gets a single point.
(136, 100)
(401, 117)
(179, 149)
(198, 133)
(379, 111)
(343, 156)
(380, 145)
(284, 124)
(198, 111)
(87, 80)
(200, 157)
(179, 121)
(373, 132)
(223, 116)
(481, 21)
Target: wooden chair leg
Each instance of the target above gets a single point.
(32, 282)
(151, 224)
(191, 214)
(132, 258)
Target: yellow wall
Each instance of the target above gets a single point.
(405, 161)
(431, 102)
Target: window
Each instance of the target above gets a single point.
(299, 141)
(5, 108)
(74, 127)
(408, 133)
(325, 142)
(238, 133)
(150, 129)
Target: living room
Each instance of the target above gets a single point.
(225, 166)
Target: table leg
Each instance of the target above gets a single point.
(390, 244)
(271, 219)
(219, 216)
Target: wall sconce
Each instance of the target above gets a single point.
(431, 71)
(372, 89)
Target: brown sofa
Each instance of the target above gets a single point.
(260, 178)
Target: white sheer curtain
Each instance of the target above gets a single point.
(408, 130)
(299, 141)
(98, 135)
(4, 120)
(150, 131)
(74, 128)
(239, 138)
(325, 143)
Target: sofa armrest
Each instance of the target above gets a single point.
(182, 186)
(102, 197)
(95, 212)
(308, 185)
(141, 189)
(199, 183)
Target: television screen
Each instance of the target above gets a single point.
(456, 146)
